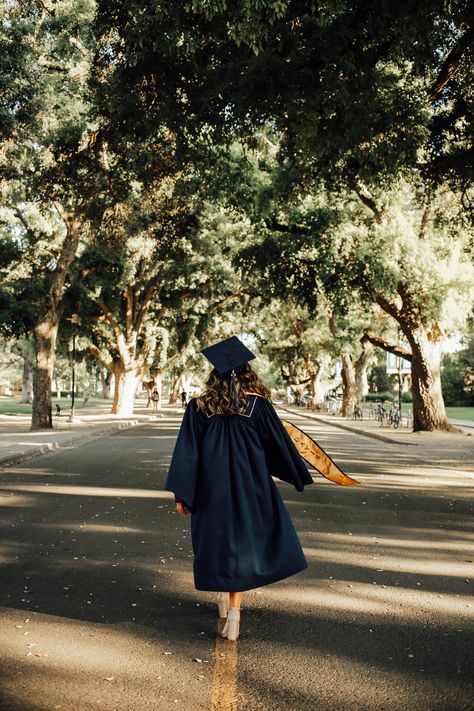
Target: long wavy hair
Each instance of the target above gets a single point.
(216, 399)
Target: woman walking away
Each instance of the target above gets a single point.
(230, 444)
(155, 399)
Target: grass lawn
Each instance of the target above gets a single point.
(454, 413)
(460, 413)
(12, 406)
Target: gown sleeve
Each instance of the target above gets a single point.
(283, 459)
(184, 467)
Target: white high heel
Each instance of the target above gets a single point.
(223, 604)
(232, 626)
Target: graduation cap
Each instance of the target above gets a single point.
(228, 355)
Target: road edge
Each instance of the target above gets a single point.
(49, 447)
(348, 428)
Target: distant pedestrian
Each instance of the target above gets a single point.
(155, 399)
(86, 398)
(184, 398)
(230, 444)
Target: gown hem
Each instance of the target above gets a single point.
(249, 585)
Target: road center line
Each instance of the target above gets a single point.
(224, 674)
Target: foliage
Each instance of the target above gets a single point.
(457, 376)
(356, 91)
(380, 397)
(379, 379)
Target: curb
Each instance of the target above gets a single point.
(364, 433)
(90, 436)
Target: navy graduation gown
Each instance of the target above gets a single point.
(221, 470)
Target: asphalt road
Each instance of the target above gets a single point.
(99, 611)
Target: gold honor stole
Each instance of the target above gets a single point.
(316, 456)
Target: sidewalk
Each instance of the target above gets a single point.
(18, 442)
(437, 448)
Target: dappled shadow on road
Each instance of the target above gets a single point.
(385, 588)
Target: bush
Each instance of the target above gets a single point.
(407, 396)
(379, 397)
(379, 378)
(452, 382)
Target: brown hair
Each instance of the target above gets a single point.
(216, 399)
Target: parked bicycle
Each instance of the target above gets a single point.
(382, 415)
(394, 417)
(373, 411)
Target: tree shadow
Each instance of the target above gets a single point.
(97, 554)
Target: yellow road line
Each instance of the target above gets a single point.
(224, 674)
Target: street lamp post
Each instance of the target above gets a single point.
(74, 319)
(400, 383)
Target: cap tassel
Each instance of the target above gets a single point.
(233, 379)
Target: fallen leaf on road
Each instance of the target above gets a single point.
(109, 678)
(167, 652)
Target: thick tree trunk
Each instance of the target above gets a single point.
(133, 354)
(298, 390)
(46, 328)
(428, 405)
(426, 349)
(106, 382)
(315, 371)
(349, 385)
(361, 366)
(159, 384)
(45, 333)
(125, 389)
(175, 388)
(27, 353)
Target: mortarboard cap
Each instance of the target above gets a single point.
(227, 355)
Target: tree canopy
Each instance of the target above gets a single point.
(301, 171)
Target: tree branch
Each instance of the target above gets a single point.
(148, 296)
(366, 356)
(276, 226)
(67, 254)
(366, 198)
(450, 65)
(128, 310)
(30, 232)
(388, 307)
(94, 351)
(424, 220)
(104, 335)
(109, 317)
(54, 66)
(76, 42)
(390, 347)
(43, 5)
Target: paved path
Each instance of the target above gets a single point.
(451, 450)
(18, 442)
(98, 608)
